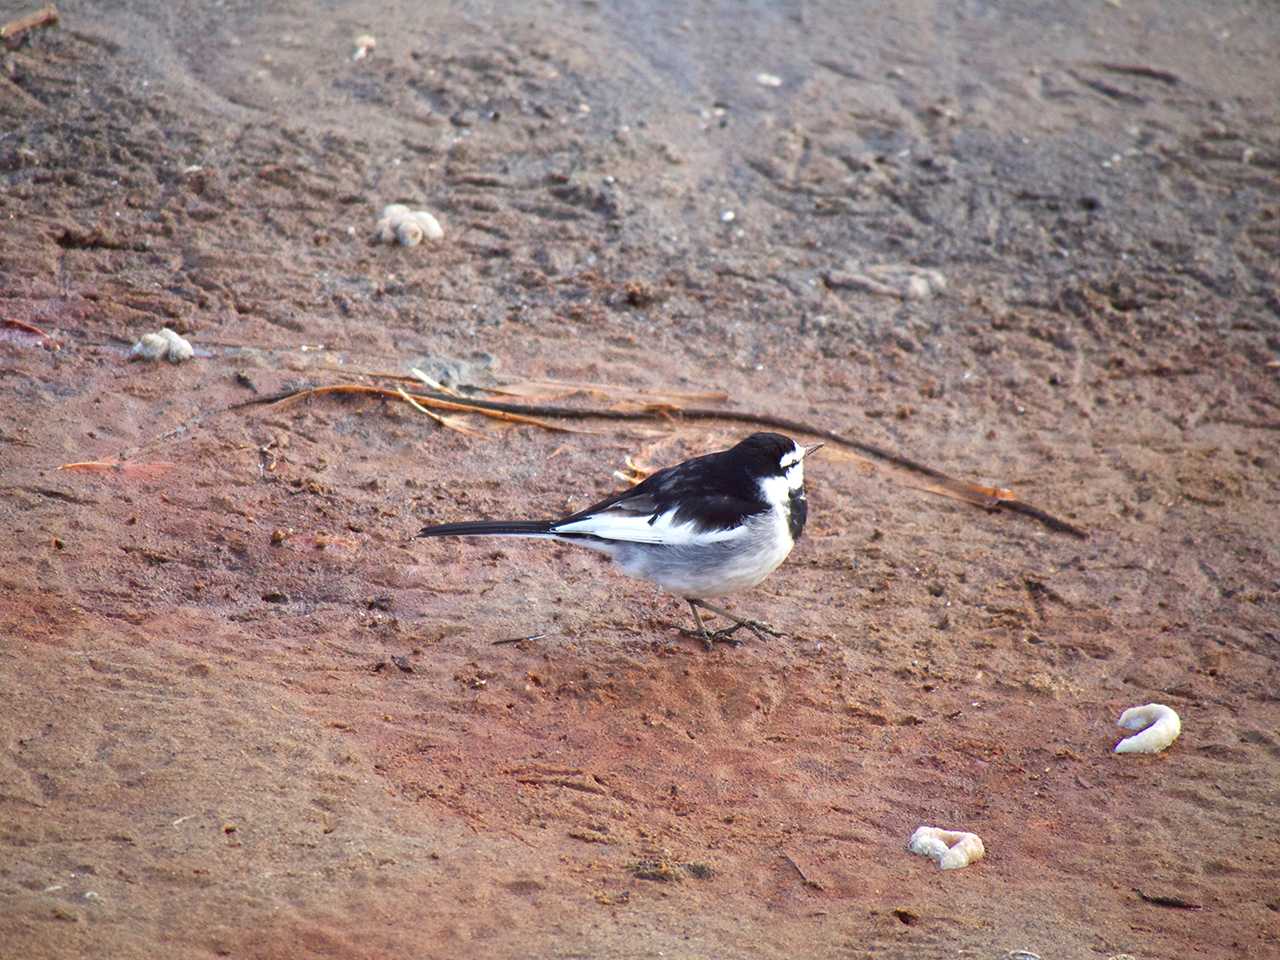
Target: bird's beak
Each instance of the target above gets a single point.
(812, 449)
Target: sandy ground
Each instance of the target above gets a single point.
(206, 747)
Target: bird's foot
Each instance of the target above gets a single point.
(710, 638)
(726, 634)
(762, 630)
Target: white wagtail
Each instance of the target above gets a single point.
(707, 527)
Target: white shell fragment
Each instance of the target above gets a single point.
(431, 228)
(152, 346)
(409, 232)
(900, 280)
(768, 80)
(952, 849)
(365, 44)
(407, 227)
(163, 345)
(1159, 724)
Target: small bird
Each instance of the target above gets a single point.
(706, 527)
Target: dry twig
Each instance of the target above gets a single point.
(988, 498)
(22, 328)
(15, 28)
(123, 468)
(437, 401)
(1167, 900)
(812, 884)
(449, 423)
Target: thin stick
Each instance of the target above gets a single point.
(31, 102)
(44, 17)
(449, 423)
(805, 880)
(989, 498)
(21, 325)
(426, 399)
(1141, 70)
(146, 471)
(535, 636)
(432, 384)
(1162, 900)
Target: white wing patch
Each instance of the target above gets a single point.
(636, 528)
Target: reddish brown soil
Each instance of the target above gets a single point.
(207, 749)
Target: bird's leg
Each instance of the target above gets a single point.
(703, 632)
(762, 630)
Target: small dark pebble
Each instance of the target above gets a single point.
(403, 663)
(1165, 900)
(275, 596)
(379, 603)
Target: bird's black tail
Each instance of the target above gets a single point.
(490, 528)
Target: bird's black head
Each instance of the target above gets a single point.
(776, 463)
(771, 455)
(765, 454)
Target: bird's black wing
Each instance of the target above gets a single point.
(679, 502)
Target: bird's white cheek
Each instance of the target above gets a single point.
(775, 490)
(795, 476)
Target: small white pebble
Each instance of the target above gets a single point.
(151, 346)
(728, 216)
(1159, 724)
(409, 232)
(406, 226)
(179, 349)
(165, 344)
(952, 849)
(365, 44)
(431, 228)
(916, 288)
(768, 80)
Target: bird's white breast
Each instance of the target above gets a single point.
(777, 489)
(767, 543)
